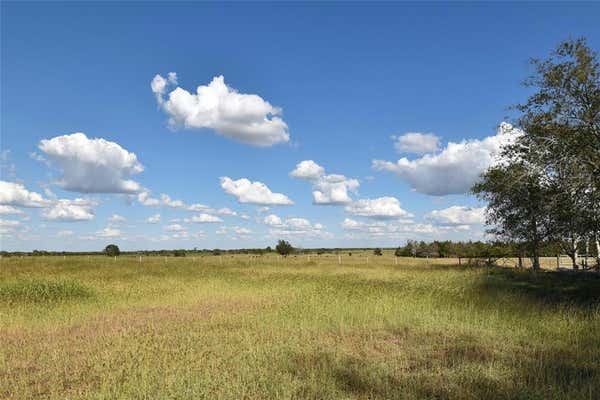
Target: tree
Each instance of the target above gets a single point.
(402, 252)
(284, 248)
(377, 252)
(561, 123)
(112, 250)
(517, 207)
(546, 186)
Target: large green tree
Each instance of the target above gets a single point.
(561, 121)
(516, 208)
(547, 186)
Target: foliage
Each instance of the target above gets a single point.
(547, 187)
(377, 252)
(112, 250)
(284, 248)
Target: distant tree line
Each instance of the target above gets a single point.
(475, 249)
(546, 187)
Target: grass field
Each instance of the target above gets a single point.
(242, 328)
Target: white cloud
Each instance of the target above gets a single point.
(69, 211)
(172, 78)
(456, 168)
(145, 199)
(205, 218)
(10, 210)
(241, 231)
(246, 118)
(328, 189)
(4, 155)
(174, 228)
(235, 231)
(273, 220)
(253, 192)
(153, 219)
(64, 233)
(390, 229)
(379, 208)
(117, 218)
(92, 165)
(108, 232)
(226, 211)
(9, 223)
(158, 86)
(293, 226)
(198, 207)
(458, 215)
(166, 200)
(417, 143)
(15, 194)
(308, 169)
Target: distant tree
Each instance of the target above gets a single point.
(284, 248)
(377, 252)
(268, 249)
(112, 250)
(179, 253)
(216, 252)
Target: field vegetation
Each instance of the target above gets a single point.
(304, 327)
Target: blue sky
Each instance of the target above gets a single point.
(351, 87)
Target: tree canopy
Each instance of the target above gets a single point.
(546, 186)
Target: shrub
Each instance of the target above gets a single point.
(179, 253)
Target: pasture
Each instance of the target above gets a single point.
(236, 327)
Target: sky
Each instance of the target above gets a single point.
(182, 125)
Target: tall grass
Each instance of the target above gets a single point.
(42, 291)
(240, 327)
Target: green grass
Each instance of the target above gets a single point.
(242, 328)
(47, 292)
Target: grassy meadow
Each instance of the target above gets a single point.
(237, 327)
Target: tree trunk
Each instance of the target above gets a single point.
(587, 252)
(573, 251)
(535, 260)
(597, 251)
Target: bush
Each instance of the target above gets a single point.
(377, 252)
